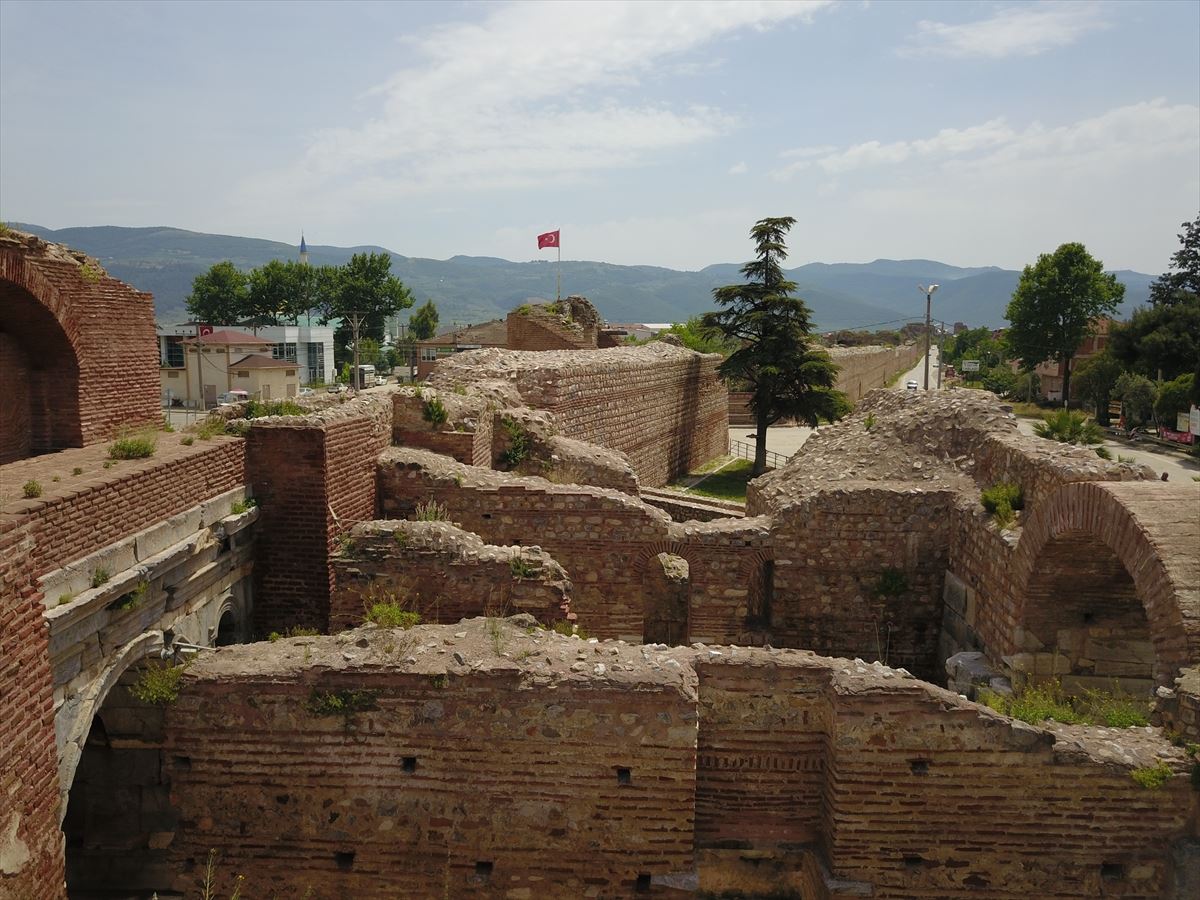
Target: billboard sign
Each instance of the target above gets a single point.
(970, 365)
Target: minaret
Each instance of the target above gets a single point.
(303, 250)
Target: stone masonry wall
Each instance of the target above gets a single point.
(444, 574)
(604, 769)
(662, 406)
(15, 426)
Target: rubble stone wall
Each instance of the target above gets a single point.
(96, 365)
(662, 406)
(442, 573)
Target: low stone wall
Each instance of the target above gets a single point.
(611, 769)
(442, 573)
(662, 406)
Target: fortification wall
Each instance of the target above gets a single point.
(662, 406)
(442, 573)
(614, 769)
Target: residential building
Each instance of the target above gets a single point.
(1050, 373)
(458, 339)
(196, 370)
(309, 347)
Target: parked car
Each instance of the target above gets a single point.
(231, 397)
(910, 385)
(337, 388)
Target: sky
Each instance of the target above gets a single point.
(974, 133)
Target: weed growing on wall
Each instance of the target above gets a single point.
(1152, 777)
(187, 441)
(1103, 452)
(89, 273)
(562, 626)
(434, 412)
(524, 568)
(240, 506)
(64, 599)
(257, 409)
(131, 599)
(341, 703)
(210, 428)
(157, 683)
(209, 891)
(1037, 703)
(294, 631)
(392, 615)
(1002, 500)
(869, 421)
(135, 445)
(31, 489)
(100, 576)
(520, 444)
(77, 471)
(430, 511)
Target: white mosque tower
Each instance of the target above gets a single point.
(303, 250)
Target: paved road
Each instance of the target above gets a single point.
(1177, 467)
(917, 373)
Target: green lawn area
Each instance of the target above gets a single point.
(727, 484)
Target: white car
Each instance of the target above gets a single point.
(910, 385)
(231, 397)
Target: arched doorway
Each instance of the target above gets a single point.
(40, 373)
(228, 632)
(666, 586)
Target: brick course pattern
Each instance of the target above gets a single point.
(96, 365)
(442, 573)
(599, 769)
(662, 406)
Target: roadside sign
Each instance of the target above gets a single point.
(970, 365)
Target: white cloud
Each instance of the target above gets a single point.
(738, 168)
(533, 93)
(1025, 31)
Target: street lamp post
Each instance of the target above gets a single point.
(928, 292)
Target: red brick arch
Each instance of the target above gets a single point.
(1151, 529)
(78, 350)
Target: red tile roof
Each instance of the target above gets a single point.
(258, 361)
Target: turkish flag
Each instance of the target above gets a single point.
(204, 330)
(549, 239)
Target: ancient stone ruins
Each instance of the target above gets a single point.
(778, 702)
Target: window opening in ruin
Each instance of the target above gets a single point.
(913, 862)
(642, 885)
(667, 589)
(410, 764)
(227, 630)
(624, 776)
(919, 766)
(1112, 871)
(344, 859)
(483, 869)
(762, 596)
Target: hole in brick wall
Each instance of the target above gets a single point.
(912, 862)
(282, 799)
(183, 763)
(483, 869)
(642, 885)
(410, 764)
(487, 515)
(344, 859)
(919, 766)
(225, 545)
(1112, 871)
(624, 776)
(1088, 618)
(516, 543)
(976, 881)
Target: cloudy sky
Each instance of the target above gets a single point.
(976, 133)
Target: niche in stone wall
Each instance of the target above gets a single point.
(667, 587)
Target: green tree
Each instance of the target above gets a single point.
(269, 295)
(1096, 380)
(369, 353)
(1183, 282)
(424, 322)
(1056, 303)
(1173, 398)
(787, 375)
(1160, 341)
(363, 293)
(219, 296)
(1137, 394)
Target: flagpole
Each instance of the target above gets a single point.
(558, 243)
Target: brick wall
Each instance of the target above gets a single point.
(96, 365)
(15, 426)
(31, 846)
(444, 574)
(662, 406)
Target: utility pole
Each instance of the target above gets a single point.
(928, 292)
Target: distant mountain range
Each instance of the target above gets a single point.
(469, 289)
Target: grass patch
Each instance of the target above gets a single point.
(430, 511)
(341, 703)
(100, 576)
(31, 489)
(240, 506)
(392, 615)
(257, 409)
(1152, 777)
(1037, 703)
(563, 627)
(294, 631)
(134, 446)
(727, 484)
(158, 683)
(1002, 501)
(210, 428)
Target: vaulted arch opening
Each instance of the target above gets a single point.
(667, 589)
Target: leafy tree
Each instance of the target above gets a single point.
(787, 376)
(1173, 398)
(219, 296)
(424, 322)
(1137, 394)
(1000, 380)
(1183, 282)
(1096, 380)
(695, 335)
(363, 293)
(270, 293)
(1056, 302)
(369, 353)
(1160, 340)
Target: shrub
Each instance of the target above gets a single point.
(133, 446)
(77, 471)
(240, 506)
(187, 441)
(31, 489)
(168, 427)
(519, 443)
(257, 409)
(1070, 427)
(430, 511)
(341, 703)
(158, 683)
(131, 599)
(100, 576)
(434, 412)
(524, 568)
(1001, 493)
(1036, 703)
(89, 273)
(392, 615)
(869, 421)
(210, 428)
(1152, 777)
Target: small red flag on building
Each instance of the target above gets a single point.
(549, 239)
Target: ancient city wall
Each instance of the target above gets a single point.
(611, 769)
(662, 406)
(97, 362)
(442, 573)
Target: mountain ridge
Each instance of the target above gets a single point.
(163, 260)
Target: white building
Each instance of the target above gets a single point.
(309, 346)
